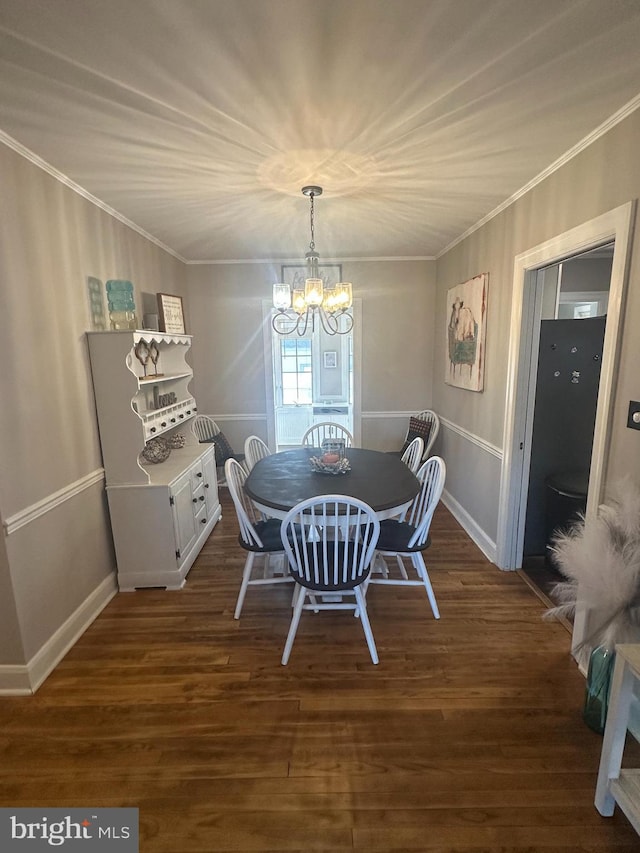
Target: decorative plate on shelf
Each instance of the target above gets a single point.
(320, 467)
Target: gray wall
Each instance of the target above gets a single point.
(226, 319)
(51, 239)
(586, 274)
(602, 177)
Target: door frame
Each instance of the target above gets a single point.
(267, 338)
(613, 226)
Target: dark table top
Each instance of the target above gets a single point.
(282, 480)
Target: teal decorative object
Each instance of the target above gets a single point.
(599, 674)
(122, 307)
(96, 305)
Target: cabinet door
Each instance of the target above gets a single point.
(210, 481)
(184, 522)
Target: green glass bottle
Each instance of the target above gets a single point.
(599, 674)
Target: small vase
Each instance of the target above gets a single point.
(596, 702)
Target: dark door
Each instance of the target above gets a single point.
(569, 364)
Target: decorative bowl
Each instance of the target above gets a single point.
(156, 450)
(176, 441)
(320, 467)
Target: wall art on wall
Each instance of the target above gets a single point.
(295, 275)
(466, 328)
(171, 314)
(330, 359)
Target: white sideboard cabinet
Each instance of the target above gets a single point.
(161, 513)
(616, 785)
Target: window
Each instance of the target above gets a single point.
(295, 362)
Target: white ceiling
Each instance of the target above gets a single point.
(200, 120)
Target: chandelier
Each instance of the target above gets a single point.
(296, 308)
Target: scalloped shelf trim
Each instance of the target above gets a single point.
(160, 337)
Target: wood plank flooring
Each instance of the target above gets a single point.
(467, 737)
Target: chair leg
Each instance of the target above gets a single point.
(421, 569)
(297, 592)
(364, 618)
(246, 577)
(379, 565)
(293, 628)
(403, 571)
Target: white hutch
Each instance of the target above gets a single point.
(161, 513)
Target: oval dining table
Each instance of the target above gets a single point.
(280, 481)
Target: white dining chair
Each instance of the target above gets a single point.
(204, 427)
(433, 420)
(329, 543)
(408, 536)
(257, 535)
(317, 433)
(412, 456)
(207, 430)
(254, 450)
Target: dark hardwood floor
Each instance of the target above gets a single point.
(467, 737)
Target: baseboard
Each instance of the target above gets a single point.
(471, 527)
(25, 680)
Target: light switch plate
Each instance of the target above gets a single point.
(634, 409)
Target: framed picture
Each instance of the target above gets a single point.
(466, 330)
(330, 358)
(170, 314)
(295, 275)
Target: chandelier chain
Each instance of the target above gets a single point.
(312, 244)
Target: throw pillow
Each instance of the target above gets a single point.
(417, 427)
(223, 449)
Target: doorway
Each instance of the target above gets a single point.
(312, 383)
(574, 296)
(311, 378)
(611, 227)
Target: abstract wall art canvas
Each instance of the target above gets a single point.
(466, 328)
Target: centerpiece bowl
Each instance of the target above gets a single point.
(320, 466)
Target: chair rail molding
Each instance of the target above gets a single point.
(31, 513)
(472, 437)
(387, 415)
(257, 416)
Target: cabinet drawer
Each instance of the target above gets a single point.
(198, 497)
(197, 476)
(201, 517)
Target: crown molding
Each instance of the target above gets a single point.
(625, 111)
(20, 149)
(299, 260)
(613, 120)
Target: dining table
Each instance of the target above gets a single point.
(382, 480)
